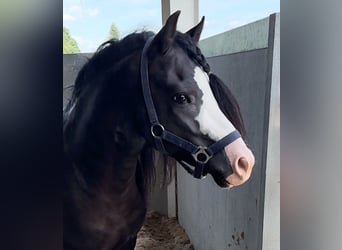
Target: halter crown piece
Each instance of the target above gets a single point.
(200, 154)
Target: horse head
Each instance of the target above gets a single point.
(193, 105)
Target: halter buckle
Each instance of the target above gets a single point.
(191, 169)
(157, 130)
(201, 155)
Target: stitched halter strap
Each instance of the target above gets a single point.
(200, 154)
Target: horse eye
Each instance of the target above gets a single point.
(181, 99)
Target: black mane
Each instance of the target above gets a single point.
(106, 56)
(108, 52)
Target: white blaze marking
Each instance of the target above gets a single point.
(210, 118)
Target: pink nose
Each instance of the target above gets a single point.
(242, 161)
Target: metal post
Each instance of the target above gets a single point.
(187, 19)
(189, 15)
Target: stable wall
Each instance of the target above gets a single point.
(246, 60)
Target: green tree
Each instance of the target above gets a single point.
(113, 32)
(69, 43)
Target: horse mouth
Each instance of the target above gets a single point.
(221, 181)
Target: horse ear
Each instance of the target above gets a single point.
(166, 35)
(195, 32)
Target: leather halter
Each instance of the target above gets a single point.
(200, 154)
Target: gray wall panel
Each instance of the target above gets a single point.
(72, 63)
(245, 38)
(231, 219)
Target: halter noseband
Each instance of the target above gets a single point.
(200, 154)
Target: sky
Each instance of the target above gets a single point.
(89, 21)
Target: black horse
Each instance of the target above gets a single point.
(134, 97)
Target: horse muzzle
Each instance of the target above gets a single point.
(241, 160)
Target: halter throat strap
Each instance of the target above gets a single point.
(200, 154)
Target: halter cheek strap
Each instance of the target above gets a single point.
(200, 154)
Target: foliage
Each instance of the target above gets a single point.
(113, 32)
(69, 43)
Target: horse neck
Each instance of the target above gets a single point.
(120, 174)
(103, 161)
(114, 170)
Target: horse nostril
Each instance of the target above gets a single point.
(243, 163)
(242, 167)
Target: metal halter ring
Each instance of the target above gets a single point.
(190, 169)
(157, 130)
(201, 155)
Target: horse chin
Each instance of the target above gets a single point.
(219, 169)
(221, 181)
